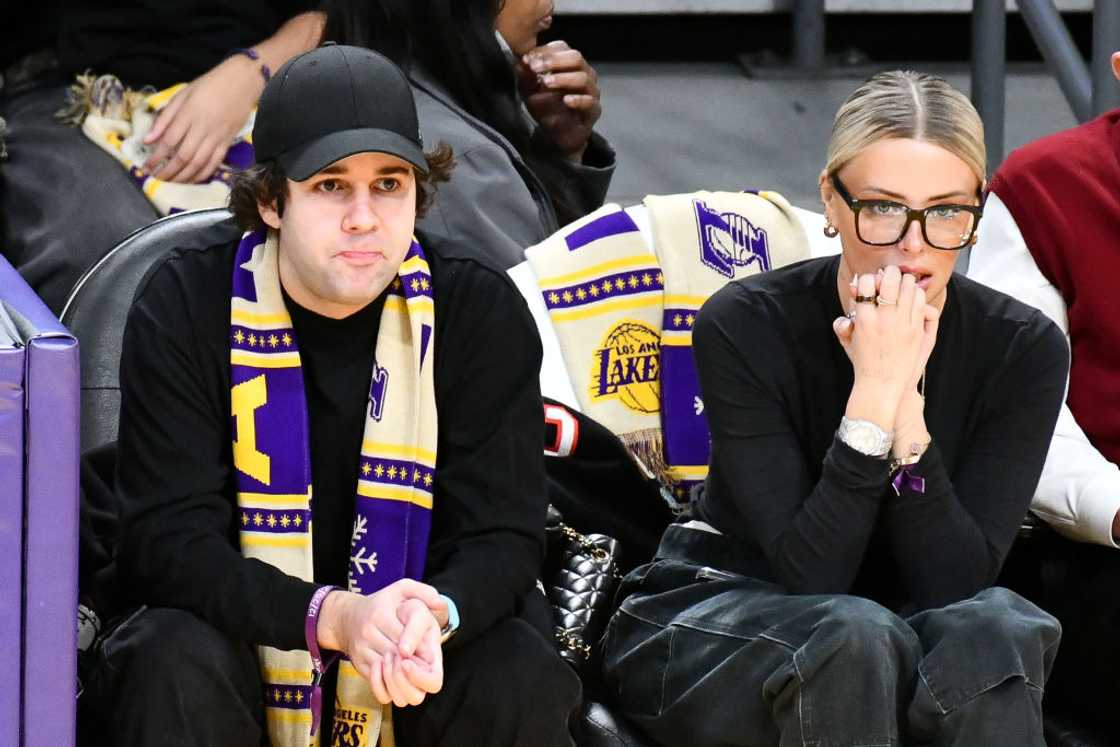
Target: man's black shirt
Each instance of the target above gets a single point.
(815, 515)
(336, 357)
(175, 481)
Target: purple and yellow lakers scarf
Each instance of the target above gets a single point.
(624, 314)
(392, 508)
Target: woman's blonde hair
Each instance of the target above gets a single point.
(908, 104)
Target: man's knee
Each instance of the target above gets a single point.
(167, 677)
(162, 647)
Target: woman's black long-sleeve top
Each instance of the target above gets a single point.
(816, 516)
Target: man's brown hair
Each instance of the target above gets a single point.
(266, 183)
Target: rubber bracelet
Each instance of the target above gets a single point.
(254, 55)
(319, 665)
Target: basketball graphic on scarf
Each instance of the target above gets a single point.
(628, 366)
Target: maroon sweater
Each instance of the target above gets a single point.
(1064, 193)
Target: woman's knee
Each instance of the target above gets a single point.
(857, 632)
(1000, 616)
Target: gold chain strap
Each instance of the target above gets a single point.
(584, 543)
(573, 643)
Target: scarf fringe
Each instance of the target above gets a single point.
(101, 95)
(647, 449)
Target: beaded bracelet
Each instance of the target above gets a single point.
(254, 55)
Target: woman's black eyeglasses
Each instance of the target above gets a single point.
(885, 222)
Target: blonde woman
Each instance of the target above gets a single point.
(878, 427)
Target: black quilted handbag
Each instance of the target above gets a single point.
(582, 575)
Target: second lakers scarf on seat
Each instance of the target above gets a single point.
(117, 119)
(624, 314)
(271, 455)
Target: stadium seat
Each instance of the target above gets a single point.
(98, 307)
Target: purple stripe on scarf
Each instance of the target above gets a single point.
(389, 541)
(678, 320)
(280, 695)
(397, 472)
(417, 284)
(255, 341)
(138, 175)
(377, 546)
(284, 521)
(684, 427)
(244, 286)
(240, 155)
(608, 225)
(616, 285)
(425, 338)
(280, 431)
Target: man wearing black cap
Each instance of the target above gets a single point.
(328, 370)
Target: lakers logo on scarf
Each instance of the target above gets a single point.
(392, 509)
(624, 311)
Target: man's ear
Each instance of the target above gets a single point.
(1116, 64)
(269, 214)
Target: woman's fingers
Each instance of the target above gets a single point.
(164, 120)
(917, 308)
(843, 327)
(865, 308)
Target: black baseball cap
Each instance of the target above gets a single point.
(332, 102)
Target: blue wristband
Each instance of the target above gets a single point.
(452, 619)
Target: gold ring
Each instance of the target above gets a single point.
(885, 302)
(865, 299)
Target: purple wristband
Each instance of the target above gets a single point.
(254, 55)
(907, 479)
(319, 665)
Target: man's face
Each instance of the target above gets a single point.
(345, 231)
(1116, 64)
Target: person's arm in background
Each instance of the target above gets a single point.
(1079, 492)
(193, 132)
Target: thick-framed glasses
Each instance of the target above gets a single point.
(885, 222)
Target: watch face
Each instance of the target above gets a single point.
(864, 437)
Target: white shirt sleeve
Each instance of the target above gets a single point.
(1079, 491)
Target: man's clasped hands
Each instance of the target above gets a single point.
(392, 638)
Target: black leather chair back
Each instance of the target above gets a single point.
(98, 307)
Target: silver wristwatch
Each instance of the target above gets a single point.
(865, 437)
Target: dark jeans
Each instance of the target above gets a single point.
(63, 201)
(168, 678)
(1079, 584)
(701, 656)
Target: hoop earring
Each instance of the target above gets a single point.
(831, 231)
